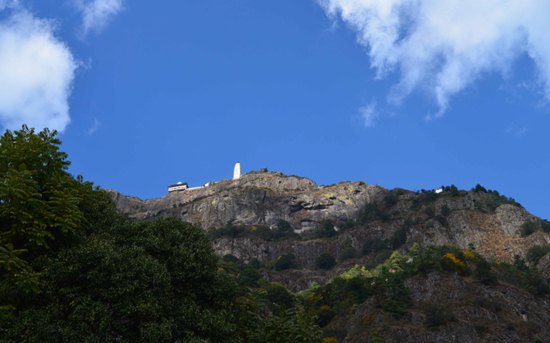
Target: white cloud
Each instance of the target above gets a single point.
(443, 46)
(8, 4)
(369, 114)
(97, 13)
(516, 130)
(36, 73)
(94, 127)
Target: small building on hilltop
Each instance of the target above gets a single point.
(180, 186)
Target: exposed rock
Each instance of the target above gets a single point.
(257, 199)
(261, 198)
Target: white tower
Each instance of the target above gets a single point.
(237, 171)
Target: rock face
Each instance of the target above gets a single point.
(478, 313)
(261, 198)
(257, 199)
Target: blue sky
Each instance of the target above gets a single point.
(399, 93)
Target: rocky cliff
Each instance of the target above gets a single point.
(475, 219)
(265, 198)
(257, 199)
(475, 313)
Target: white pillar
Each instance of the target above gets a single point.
(237, 171)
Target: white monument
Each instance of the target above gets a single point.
(237, 171)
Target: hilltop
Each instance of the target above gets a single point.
(489, 221)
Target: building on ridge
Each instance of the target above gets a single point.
(180, 186)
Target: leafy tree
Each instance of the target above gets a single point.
(134, 282)
(480, 188)
(39, 197)
(40, 204)
(484, 272)
(325, 261)
(248, 277)
(454, 191)
(256, 325)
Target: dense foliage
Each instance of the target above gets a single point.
(89, 275)
(282, 231)
(384, 283)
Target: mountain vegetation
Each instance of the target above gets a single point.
(373, 267)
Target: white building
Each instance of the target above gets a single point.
(237, 171)
(180, 186)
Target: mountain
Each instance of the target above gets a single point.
(359, 224)
(265, 198)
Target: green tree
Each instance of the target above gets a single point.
(134, 282)
(39, 198)
(256, 325)
(41, 204)
(325, 261)
(454, 191)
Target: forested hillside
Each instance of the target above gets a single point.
(268, 258)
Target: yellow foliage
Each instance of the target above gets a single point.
(330, 340)
(325, 307)
(451, 259)
(469, 255)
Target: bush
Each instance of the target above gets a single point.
(484, 273)
(371, 213)
(285, 262)
(430, 212)
(536, 252)
(348, 253)
(326, 230)
(528, 228)
(375, 245)
(398, 239)
(255, 263)
(494, 200)
(391, 199)
(284, 226)
(230, 258)
(348, 224)
(278, 296)
(325, 261)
